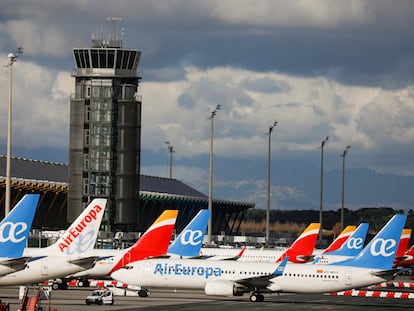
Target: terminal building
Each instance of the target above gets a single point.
(156, 194)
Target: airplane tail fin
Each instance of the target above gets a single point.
(15, 227)
(404, 241)
(380, 251)
(354, 245)
(340, 239)
(81, 235)
(189, 241)
(154, 242)
(302, 248)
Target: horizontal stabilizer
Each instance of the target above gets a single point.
(387, 274)
(15, 263)
(85, 262)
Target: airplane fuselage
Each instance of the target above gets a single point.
(199, 274)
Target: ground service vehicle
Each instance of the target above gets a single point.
(100, 296)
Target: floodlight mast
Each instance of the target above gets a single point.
(344, 153)
(268, 183)
(12, 59)
(210, 188)
(323, 143)
(171, 151)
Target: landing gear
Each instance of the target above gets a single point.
(256, 297)
(144, 292)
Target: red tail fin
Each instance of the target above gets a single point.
(301, 250)
(404, 241)
(154, 242)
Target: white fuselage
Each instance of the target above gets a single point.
(101, 268)
(258, 255)
(40, 270)
(195, 274)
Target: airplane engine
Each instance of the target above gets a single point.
(223, 288)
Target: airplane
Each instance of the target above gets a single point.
(69, 254)
(234, 278)
(350, 248)
(14, 231)
(151, 244)
(300, 251)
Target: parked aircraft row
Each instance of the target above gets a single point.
(153, 262)
(374, 264)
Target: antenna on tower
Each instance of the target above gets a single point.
(115, 37)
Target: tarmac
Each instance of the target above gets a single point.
(162, 299)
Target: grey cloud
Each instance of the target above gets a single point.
(266, 85)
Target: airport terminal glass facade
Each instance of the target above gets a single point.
(105, 133)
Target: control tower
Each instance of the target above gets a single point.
(105, 131)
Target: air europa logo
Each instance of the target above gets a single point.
(77, 229)
(383, 247)
(355, 243)
(13, 232)
(193, 237)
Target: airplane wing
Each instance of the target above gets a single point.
(238, 255)
(84, 262)
(15, 263)
(264, 281)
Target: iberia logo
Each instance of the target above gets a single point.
(79, 227)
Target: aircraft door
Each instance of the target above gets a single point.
(44, 266)
(348, 278)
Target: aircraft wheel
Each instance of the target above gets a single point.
(143, 293)
(256, 297)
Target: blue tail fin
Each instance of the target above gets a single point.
(354, 244)
(380, 252)
(190, 240)
(15, 227)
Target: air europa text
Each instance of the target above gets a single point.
(77, 228)
(179, 269)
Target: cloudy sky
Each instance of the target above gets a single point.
(343, 69)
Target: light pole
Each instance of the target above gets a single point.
(210, 188)
(268, 183)
(343, 186)
(321, 193)
(171, 150)
(12, 58)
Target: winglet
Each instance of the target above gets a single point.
(81, 236)
(154, 242)
(15, 227)
(190, 240)
(281, 267)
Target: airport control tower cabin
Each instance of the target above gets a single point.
(105, 132)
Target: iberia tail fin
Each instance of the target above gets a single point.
(404, 241)
(302, 248)
(154, 242)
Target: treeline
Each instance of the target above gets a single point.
(296, 220)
